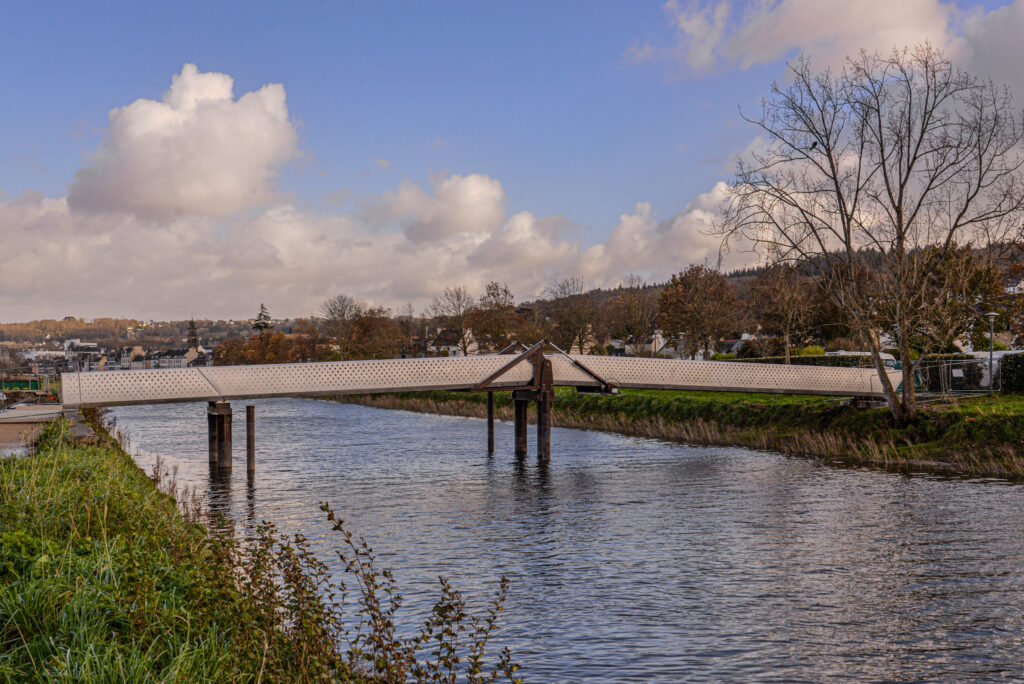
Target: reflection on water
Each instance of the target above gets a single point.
(636, 560)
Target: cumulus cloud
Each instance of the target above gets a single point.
(714, 34)
(641, 244)
(178, 214)
(198, 151)
(63, 261)
(457, 205)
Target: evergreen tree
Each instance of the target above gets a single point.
(262, 323)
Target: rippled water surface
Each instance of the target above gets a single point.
(638, 560)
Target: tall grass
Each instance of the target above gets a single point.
(104, 578)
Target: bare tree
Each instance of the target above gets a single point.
(573, 313)
(865, 169)
(783, 301)
(633, 313)
(453, 308)
(340, 314)
(406, 320)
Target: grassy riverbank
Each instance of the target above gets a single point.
(104, 578)
(976, 437)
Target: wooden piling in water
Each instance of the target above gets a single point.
(519, 409)
(490, 422)
(211, 431)
(545, 397)
(250, 438)
(224, 435)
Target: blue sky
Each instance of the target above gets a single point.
(578, 110)
(536, 94)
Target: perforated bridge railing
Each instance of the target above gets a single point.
(118, 388)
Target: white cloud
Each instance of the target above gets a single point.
(700, 30)
(641, 244)
(640, 53)
(199, 151)
(993, 41)
(457, 204)
(62, 261)
(178, 215)
(714, 34)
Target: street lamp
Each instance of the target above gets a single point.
(991, 349)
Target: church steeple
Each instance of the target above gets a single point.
(193, 336)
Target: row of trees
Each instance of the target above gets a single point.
(784, 305)
(884, 199)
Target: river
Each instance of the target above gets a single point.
(638, 560)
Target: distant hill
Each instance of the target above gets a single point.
(121, 332)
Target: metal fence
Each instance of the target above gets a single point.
(945, 378)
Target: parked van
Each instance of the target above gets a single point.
(888, 360)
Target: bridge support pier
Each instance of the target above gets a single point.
(211, 432)
(250, 439)
(490, 422)
(223, 435)
(519, 410)
(545, 397)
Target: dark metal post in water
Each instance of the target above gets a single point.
(991, 348)
(211, 430)
(223, 435)
(250, 438)
(519, 409)
(490, 422)
(545, 397)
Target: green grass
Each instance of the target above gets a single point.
(104, 578)
(980, 436)
(100, 575)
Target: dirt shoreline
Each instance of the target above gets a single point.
(17, 438)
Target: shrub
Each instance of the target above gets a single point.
(812, 350)
(816, 360)
(1011, 370)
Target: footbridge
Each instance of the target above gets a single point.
(531, 376)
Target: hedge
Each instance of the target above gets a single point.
(816, 360)
(1011, 370)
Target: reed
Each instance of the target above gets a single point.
(978, 437)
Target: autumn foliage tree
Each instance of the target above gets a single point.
(699, 304)
(493, 319)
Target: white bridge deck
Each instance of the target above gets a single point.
(224, 383)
